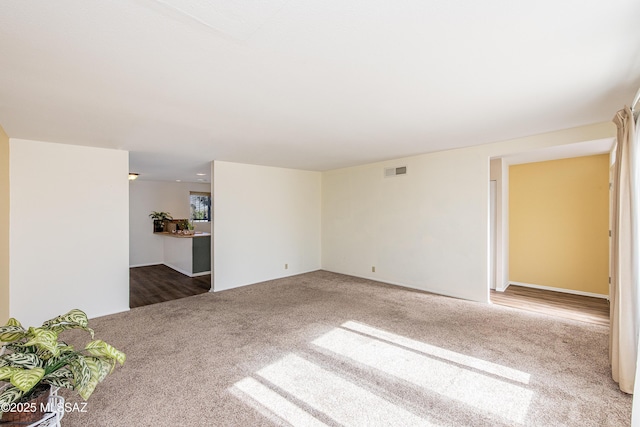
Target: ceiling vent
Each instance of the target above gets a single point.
(389, 172)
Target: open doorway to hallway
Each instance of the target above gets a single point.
(552, 254)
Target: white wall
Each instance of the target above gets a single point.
(264, 218)
(495, 173)
(503, 242)
(69, 240)
(147, 196)
(4, 227)
(429, 229)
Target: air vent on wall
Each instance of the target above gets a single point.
(389, 172)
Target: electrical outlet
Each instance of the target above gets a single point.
(286, 266)
(373, 269)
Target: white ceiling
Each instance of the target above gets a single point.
(308, 84)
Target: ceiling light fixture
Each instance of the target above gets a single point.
(201, 174)
(133, 176)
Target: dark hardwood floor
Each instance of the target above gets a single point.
(159, 283)
(576, 307)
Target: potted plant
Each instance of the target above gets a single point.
(159, 219)
(186, 226)
(34, 359)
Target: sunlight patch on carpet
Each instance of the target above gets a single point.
(341, 400)
(484, 393)
(275, 403)
(452, 356)
(301, 392)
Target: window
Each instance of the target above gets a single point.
(200, 206)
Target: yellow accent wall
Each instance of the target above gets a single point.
(559, 223)
(4, 227)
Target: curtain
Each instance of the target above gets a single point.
(624, 303)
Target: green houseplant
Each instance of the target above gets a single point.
(35, 357)
(186, 226)
(158, 220)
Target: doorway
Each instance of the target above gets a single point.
(500, 277)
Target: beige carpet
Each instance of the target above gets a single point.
(328, 349)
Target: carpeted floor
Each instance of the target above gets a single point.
(327, 349)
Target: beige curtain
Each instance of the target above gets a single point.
(623, 337)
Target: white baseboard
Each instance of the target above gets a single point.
(549, 288)
(404, 285)
(503, 287)
(145, 265)
(109, 313)
(219, 288)
(185, 272)
(202, 273)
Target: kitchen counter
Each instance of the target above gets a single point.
(188, 254)
(184, 236)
